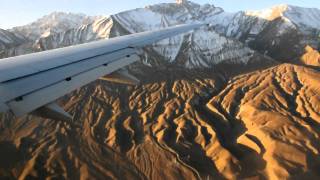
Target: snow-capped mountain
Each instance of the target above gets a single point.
(12, 44)
(204, 47)
(9, 39)
(297, 16)
(284, 27)
(55, 22)
(232, 24)
(98, 29)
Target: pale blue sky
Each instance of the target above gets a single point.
(20, 12)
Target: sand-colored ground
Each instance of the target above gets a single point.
(278, 113)
(178, 124)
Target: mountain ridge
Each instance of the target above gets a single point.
(54, 22)
(249, 27)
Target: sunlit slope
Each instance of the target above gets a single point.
(277, 111)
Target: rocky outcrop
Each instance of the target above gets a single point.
(311, 57)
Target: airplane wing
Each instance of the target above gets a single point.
(31, 83)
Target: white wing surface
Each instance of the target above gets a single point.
(31, 83)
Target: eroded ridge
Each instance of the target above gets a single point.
(149, 131)
(279, 109)
(263, 125)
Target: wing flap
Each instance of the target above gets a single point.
(121, 76)
(53, 111)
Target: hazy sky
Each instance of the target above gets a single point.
(20, 12)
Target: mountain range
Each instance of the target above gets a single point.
(239, 99)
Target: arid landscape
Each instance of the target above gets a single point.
(237, 100)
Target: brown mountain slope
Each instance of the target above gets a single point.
(264, 124)
(149, 131)
(277, 111)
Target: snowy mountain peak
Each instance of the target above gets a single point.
(252, 28)
(304, 16)
(299, 16)
(55, 22)
(181, 1)
(270, 13)
(58, 17)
